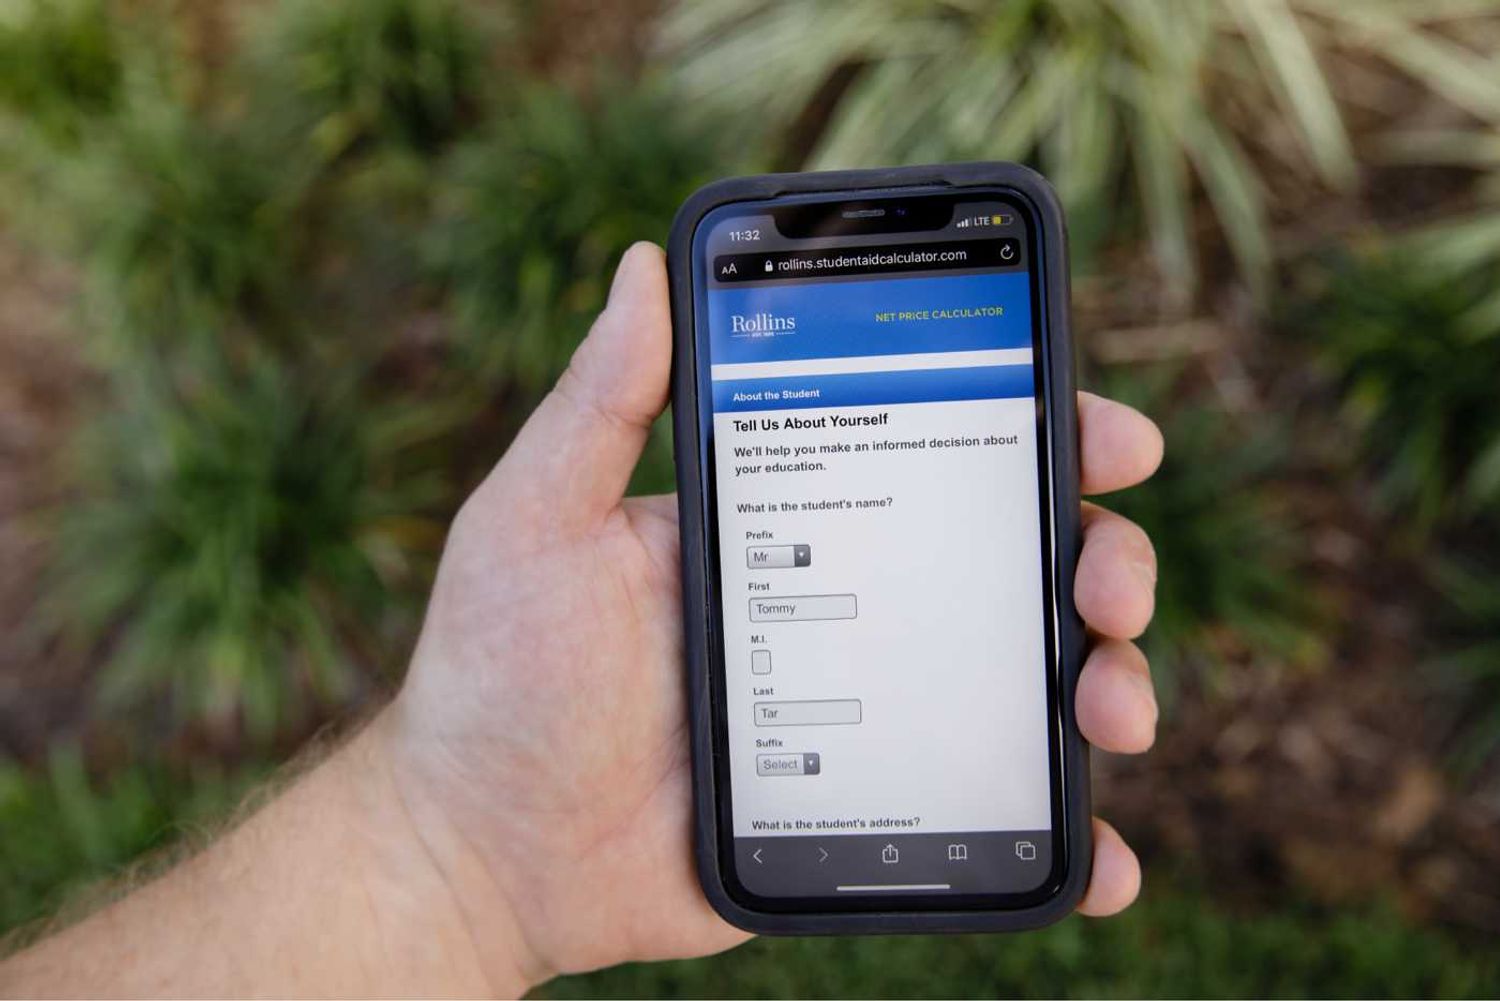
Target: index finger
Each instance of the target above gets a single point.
(1119, 446)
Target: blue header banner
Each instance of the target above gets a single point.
(854, 319)
(979, 382)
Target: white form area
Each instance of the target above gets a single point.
(946, 654)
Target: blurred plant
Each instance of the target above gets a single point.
(64, 831)
(191, 217)
(183, 225)
(1418, 366)
(1229, 553)
(247, 548)
(1462, 71)
(1469, 664)
(1225, 94)
(1087, 89)
(409, 74)
(1461, 247)
(249, 528)
(59, 63)
(536, 213)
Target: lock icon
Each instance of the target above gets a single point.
(768, 266)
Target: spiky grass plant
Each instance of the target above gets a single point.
(241, 547)
(189, 229)
(1417, 366)
(1158, 99)
(242, 552)
(534, 215)
(1089, 90)
(1468, 662)
(405, 74)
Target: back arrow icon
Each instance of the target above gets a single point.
(756, 855)
(823, 854)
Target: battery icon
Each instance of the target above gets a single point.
(1000, 220)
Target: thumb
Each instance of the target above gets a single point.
(569, 465)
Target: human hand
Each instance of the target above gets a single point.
(540, 744)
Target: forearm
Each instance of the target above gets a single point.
(328, 890)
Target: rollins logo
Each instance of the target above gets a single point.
(761, 323)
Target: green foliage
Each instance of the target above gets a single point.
(1230, 556)
(251, 531)
(1468, 666)
(1459, 69)
(59, 62)
(1125, 105)
(243, 549)
(185, 225)
(1418, 370)
(408, 74)
(1094, 91)
(536, 213)
(64, 831)
(1174, 943)
(246, 532)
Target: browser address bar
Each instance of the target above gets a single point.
(778, 265)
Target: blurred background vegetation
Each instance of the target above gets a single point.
(279, 278)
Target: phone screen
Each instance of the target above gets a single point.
(877, 453)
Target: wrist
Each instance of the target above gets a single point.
(460, 889)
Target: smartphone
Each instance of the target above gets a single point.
(875, 429)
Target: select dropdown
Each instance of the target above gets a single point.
(778, 557)
(788, 764)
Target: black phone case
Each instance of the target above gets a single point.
(1063, 423)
